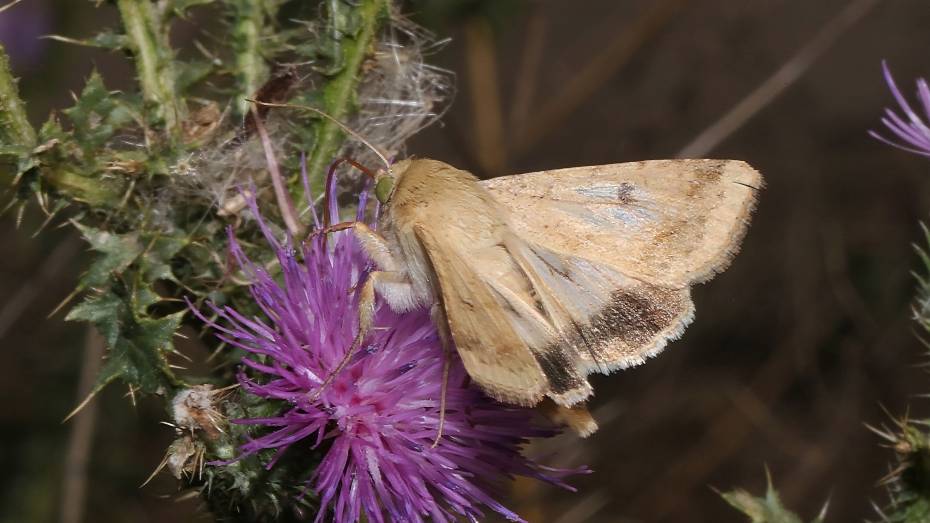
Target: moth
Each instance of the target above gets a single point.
(539, 280)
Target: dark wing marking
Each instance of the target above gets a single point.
(605, 319)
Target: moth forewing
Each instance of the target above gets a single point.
(543, 278)
(668, 222)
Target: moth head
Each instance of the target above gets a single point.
(386, 181)
(384, 186)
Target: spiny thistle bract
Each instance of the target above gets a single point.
(768, 508)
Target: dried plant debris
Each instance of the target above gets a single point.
(198, 409)
(398, 94)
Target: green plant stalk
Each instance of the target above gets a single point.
(339, 94)
(96, 193)
(148, 41)
(14, 125)
(249, 21)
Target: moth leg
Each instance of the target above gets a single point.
(366, 312)
(388, 284)
(445, 338)
(341, 226)
(376, 247)
(374, 244)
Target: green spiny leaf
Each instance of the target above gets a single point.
(14, 125)
(768, 509)
(156, 263)
(108, 39)
(97, 115)
(73, 172)
(192, 72)
(13, 151)
(138, 344)
(52, 130)
(117, 253)
(19, 161)
(180, 7)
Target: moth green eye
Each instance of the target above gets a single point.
(383, 188)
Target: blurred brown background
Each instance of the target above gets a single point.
(798, 344)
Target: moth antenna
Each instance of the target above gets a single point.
(345, 159)
(341, 125)
(368, 172)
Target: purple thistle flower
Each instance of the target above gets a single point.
(381, 413)
(911, 129)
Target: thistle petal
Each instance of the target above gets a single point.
(910, 132)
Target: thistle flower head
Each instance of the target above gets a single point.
(911, 131)
(378, 417)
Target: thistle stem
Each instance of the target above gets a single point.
(338, 94)
(249, 19)
(148, 40)
(14, 125)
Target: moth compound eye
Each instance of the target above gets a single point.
(383, 188)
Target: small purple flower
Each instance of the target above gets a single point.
(380, 415)
(912, 130)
